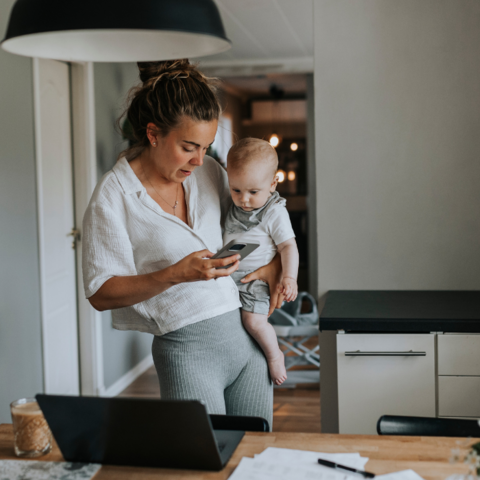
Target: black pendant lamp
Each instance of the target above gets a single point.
(115, 30)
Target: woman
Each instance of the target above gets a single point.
(148, 236)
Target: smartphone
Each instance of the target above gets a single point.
(233, 247)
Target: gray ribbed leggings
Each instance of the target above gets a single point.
(215, 361)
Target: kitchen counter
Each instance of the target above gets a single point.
(401, 311)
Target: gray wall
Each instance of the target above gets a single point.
(121, 350)
(397, 121)
(20, 338)
(397, 99)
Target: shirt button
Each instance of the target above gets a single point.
(234, 290)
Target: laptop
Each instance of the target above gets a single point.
(137, 432)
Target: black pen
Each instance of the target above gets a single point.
(326, 463)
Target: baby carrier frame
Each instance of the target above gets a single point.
(294, 329)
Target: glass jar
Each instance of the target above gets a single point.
(32, 436)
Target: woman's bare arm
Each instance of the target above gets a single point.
(118, 292)
(272, 274)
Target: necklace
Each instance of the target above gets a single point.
(156, 191)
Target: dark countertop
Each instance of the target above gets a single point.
(401, 311)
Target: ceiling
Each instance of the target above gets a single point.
(267, 36)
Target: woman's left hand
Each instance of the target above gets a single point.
(271, 274)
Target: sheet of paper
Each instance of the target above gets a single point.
(403, 475)
(303, 458)
(256, 469)
(288, 464)
(34, 470)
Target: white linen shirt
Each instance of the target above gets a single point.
(125, 232)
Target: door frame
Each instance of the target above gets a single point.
(85, 179)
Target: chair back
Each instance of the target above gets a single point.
(237, 422)
(290, 313)
(427, 427)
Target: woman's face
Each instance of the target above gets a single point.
(177, 154)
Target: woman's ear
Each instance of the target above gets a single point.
(152, 134)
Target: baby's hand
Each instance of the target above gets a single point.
(290, 289)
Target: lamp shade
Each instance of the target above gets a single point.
(115, 30)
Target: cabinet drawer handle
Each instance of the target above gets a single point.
(410, 353)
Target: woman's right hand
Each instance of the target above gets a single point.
(199, 266)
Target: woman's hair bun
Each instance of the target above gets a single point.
(152, 72)
(170, 90)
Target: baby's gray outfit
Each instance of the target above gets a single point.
(254, 296)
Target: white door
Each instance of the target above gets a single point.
(56, 221)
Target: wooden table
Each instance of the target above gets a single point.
(428, 456)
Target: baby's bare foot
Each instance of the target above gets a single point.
(276, 366)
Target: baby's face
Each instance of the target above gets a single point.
(251, 187)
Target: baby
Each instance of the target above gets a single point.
(258, 215)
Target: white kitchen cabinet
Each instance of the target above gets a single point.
(459, 396)
(459, 354)
(357, 390)
(382, 374)
(459, 375)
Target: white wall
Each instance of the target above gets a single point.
(397, 99)
(20, 340)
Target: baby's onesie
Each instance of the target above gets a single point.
(268, 226)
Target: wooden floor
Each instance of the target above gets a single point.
(294, 410)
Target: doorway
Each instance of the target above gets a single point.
(275, 107)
